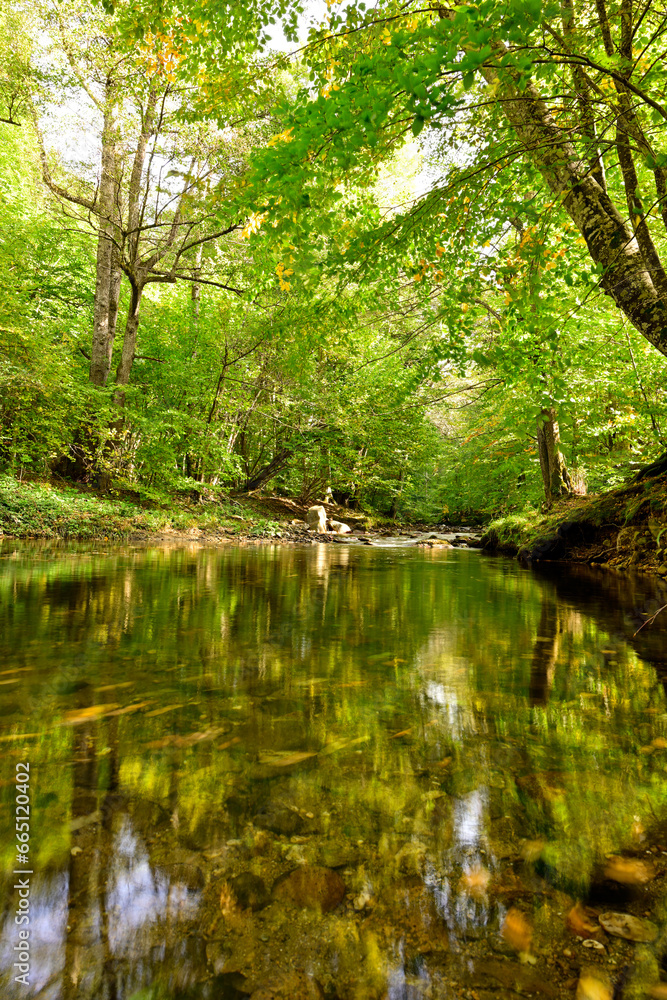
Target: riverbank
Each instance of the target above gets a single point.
(624, 529)
(67, 511)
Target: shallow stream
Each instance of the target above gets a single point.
(332, 771)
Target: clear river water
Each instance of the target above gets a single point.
(292, 773)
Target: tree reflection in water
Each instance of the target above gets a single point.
(460, 740)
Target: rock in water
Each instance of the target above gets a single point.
(339, 527)
(289, 986)
(631, 928)
(311, 887)
(250, 891)
(278, 819)
(317, 518)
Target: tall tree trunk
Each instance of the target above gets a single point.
(555, 476)
(134, 222)
(102, 345)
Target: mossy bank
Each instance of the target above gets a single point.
(625, 528)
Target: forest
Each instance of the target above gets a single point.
(282, 273)
(413, 254)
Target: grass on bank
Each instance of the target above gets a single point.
(46, 510)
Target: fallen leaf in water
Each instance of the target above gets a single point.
(279, 759)
(590, 987)
(516, 930)
(583, 922)
(476, 881)
(342, 745)
(184, 741)
(628, 927)
(129, 708)
(229, 743)
(78, 715)
(629, 871)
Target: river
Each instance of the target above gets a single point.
(328, 771)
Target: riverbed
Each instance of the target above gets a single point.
(341, 772)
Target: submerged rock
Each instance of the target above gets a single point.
(311, 887)
(406, 915)
(626, 926)
(250, 891)
(279, 819)
(494, 973)
(289, 986)
(218, 954)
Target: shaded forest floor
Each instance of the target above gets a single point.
(624, 529)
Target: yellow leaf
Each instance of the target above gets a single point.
(278, 759)
(79, 715)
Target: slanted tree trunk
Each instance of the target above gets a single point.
(263, 475)
(555, 476)
(632, 273)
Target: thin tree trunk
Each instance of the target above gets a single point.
(555, 476)
(397, 496)
(195, 293)
(102, 345)
(114, 299)
(129, 343)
